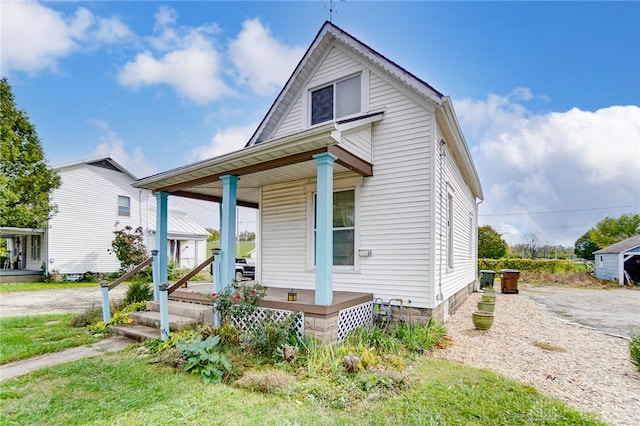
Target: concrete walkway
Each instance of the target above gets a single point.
(19, 368)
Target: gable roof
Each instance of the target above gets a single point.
(311, 59)
(266, 158)
(104, 161)
(622, 246)
(326, 37)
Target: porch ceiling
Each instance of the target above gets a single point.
(268, 163)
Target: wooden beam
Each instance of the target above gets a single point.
(350, 161)
(345, 158)
(212, 198)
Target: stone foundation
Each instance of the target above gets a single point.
(441, 313)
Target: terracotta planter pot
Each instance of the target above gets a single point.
(486, 306)
(482, 320)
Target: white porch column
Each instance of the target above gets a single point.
(228, 230)
(324, 229)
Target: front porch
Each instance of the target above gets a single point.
(329, 323)
(20, 276)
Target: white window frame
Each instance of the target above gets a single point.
(354, 184)
(36, 242)
(332, 79)
(121, 212)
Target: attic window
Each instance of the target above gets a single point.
(337, 100)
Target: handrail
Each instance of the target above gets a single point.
(190, 275)
(131, 273)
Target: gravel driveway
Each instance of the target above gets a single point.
(615, 311)
(587, 369)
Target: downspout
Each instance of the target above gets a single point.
(440, 296)
(477, 236)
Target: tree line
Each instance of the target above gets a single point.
(608, 231)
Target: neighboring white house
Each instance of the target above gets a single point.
(96, 197)
(405, 189)
(619, 262)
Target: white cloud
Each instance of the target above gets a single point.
(35, 37)
(263, 62)
(189, 61)
(112, 144)
(575, 163)
(223, 142)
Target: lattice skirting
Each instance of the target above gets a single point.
(351, 318)
(277, 314)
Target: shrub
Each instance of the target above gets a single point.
(86, 318)
(238, 299)
(265, 381)
(634, 348)
(266, 336)
(138, 292)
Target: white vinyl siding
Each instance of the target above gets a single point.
(80, 235)
(393, 212)
(454, 249)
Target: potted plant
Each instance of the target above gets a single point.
(482, 320)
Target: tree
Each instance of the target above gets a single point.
(490, 243)
(610, 230)
(532, 244)
(214, 235)
(26, 181)
(584, 247)
(128, 246)
(247, 236)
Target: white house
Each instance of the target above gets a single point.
(619, 262)
(96, 197)
(362, 179)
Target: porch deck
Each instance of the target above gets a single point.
(276, 298)
(329, 323)
(20, 276)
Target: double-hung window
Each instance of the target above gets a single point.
(337, 100)
(124, 206)
(344, 225)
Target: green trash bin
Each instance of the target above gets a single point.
(486, 278)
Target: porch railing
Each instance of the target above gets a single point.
(131, 273)
(190, 275)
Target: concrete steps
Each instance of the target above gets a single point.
(182, 315)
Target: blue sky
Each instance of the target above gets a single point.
(546, 93)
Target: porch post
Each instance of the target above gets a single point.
(106, 307)
(228, 229)
(324, 229)
(154, 273)
(163, 289)
(161, 235)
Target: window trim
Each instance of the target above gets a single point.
(346, 185)
(120, 211)
(332, 79)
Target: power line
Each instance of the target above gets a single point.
(556, 211)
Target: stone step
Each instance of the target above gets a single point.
(152, 319)
(202, 314)
(137, 332)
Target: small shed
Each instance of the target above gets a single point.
(619, 262)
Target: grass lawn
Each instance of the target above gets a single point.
(123, 389)
(24, 337)
(42, 286)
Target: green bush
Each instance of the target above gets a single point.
(266, 336)
(86, 318)
(527, 265)
(138, 292)
(634, 348)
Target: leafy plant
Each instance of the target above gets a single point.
(634, 349)
(138, 292)
(266, 336)
(201, 357)
(238, 299)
